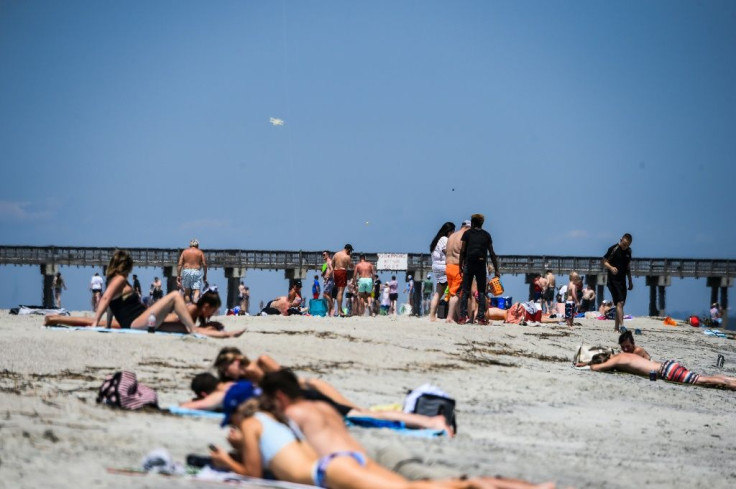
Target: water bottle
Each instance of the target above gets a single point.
(151, 323)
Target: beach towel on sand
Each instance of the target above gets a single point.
(360, 421)
(122, 331)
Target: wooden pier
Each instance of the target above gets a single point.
(720, 273)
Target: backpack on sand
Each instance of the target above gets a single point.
(430, 400)
(122, 390)
(592, 354)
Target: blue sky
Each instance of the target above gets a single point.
(567, 123)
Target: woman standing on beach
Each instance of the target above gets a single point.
(127, 308)
(438, 247)
(57, 284)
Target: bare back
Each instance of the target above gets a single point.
(323, 427)
(551, 280)
(364, 269)
(628, 362)
(454, 245)
(192, 258)
(341, 261)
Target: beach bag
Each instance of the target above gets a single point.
(430, 400)
(122, 390)
(592, 354)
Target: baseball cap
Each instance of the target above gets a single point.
(466, 223)
(236, 395)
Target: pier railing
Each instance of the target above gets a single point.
(303, 260)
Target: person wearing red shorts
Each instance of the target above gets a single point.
(341, 263)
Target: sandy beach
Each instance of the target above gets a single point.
(523, 410)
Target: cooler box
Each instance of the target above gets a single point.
(501, 302)
(317, 307)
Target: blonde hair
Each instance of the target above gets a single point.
(227, 356)
(194, 243)
(121, 263)
(574, 277)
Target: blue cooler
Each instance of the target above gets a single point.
(501, 302)
(318, 307)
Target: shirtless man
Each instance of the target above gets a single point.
(191, 271)
(548, 294)
(341, 263)
(364, 272)
(329, 283)
(281, 305)
(325, 431)
(295, 292)
(668, 370)
(626, 342)
(452, 268)
(587, 302)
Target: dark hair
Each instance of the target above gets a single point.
(477, 220)
(446, 228)
(204, 382)
(282, 380)
(628, 237)
(210, 297)
(362, 256)
(349, 247)
(326, 251)
(626, 336)
(393, 277)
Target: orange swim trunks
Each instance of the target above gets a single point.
(341, 278)
(454, 279)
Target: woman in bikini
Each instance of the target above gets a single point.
(232, 365)
(264, 442)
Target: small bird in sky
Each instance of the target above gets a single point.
(276, 122)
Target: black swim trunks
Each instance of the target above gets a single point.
(315, 395)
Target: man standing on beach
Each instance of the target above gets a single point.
(192, 271)
(617, 261)
(364, 272)
(476, 244)
(137, 286)
(452, 269)
(341, 263)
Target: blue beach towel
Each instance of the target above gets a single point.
(195, 413)
(398, 426)
(120, 331)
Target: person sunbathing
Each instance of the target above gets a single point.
(626, 342)
(667, 370)
(209, 393)
(232, 365)
(261, 434)
(207, 305)
(283, 306)
(126, 307)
